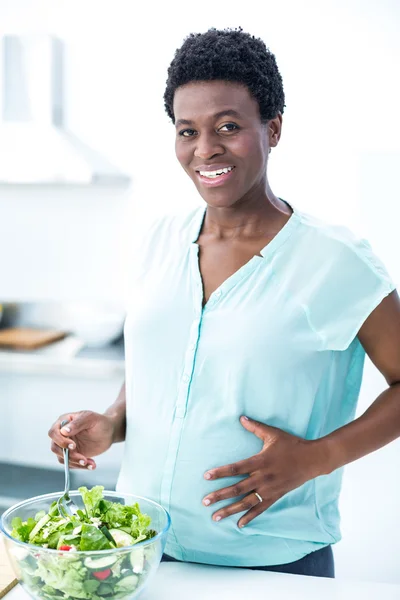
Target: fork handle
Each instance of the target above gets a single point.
(66, 470)
(66, 459)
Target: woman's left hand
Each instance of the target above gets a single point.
(285, 463)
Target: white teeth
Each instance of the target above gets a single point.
(211, 174)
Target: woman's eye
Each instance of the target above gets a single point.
(229, 127)
(187, 132)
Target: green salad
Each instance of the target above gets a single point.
(101, 525)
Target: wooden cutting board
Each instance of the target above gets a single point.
(25, 338)
(7, 576)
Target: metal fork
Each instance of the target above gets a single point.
(66, 506)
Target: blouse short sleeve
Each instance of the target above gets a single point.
(350, 282)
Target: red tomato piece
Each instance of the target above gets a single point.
(102, 574)
(65, 547)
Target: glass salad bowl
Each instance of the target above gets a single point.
(67, 571)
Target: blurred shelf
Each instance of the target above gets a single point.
(68, 357)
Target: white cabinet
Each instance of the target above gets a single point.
(31, 402)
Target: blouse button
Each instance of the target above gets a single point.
(185, 379)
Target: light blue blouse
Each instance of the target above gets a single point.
(276, 342)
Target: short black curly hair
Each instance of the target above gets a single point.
(228, 55)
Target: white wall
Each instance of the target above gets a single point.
(59, 244)
(337, 159)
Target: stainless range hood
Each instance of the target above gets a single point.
(35, 147)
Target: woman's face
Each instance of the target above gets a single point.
(221, 142)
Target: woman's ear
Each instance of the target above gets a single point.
(274, 130)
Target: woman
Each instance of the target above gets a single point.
(245, 339)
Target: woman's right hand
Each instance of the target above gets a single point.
(86, 435)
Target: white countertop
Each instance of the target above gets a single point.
(198, 582)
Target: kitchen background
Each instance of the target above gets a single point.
(65, 249)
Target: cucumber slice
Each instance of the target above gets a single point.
(108, 535)
(137, 560)
(127, 529)
(121, 538)
(127, 585)
(41, 523)
(98, 564)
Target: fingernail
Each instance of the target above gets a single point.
(207, 476)
(218, 518)
(66, 430)
(90, 467)
(82, 462)
(71, 446)
(241, 525)
(245, 418)
(207, 502)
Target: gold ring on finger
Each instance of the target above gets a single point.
(259, 497)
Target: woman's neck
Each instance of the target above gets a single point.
(248, 218)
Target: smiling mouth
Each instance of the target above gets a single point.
(215, 174)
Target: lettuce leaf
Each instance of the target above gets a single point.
(21, 530)
(65, 576)
(126, 517)
(91, 498)
(53, 532)
(93, 539)
(91, 585)
(116, 515)
(139, 527)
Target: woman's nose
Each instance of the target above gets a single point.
(208, 146)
